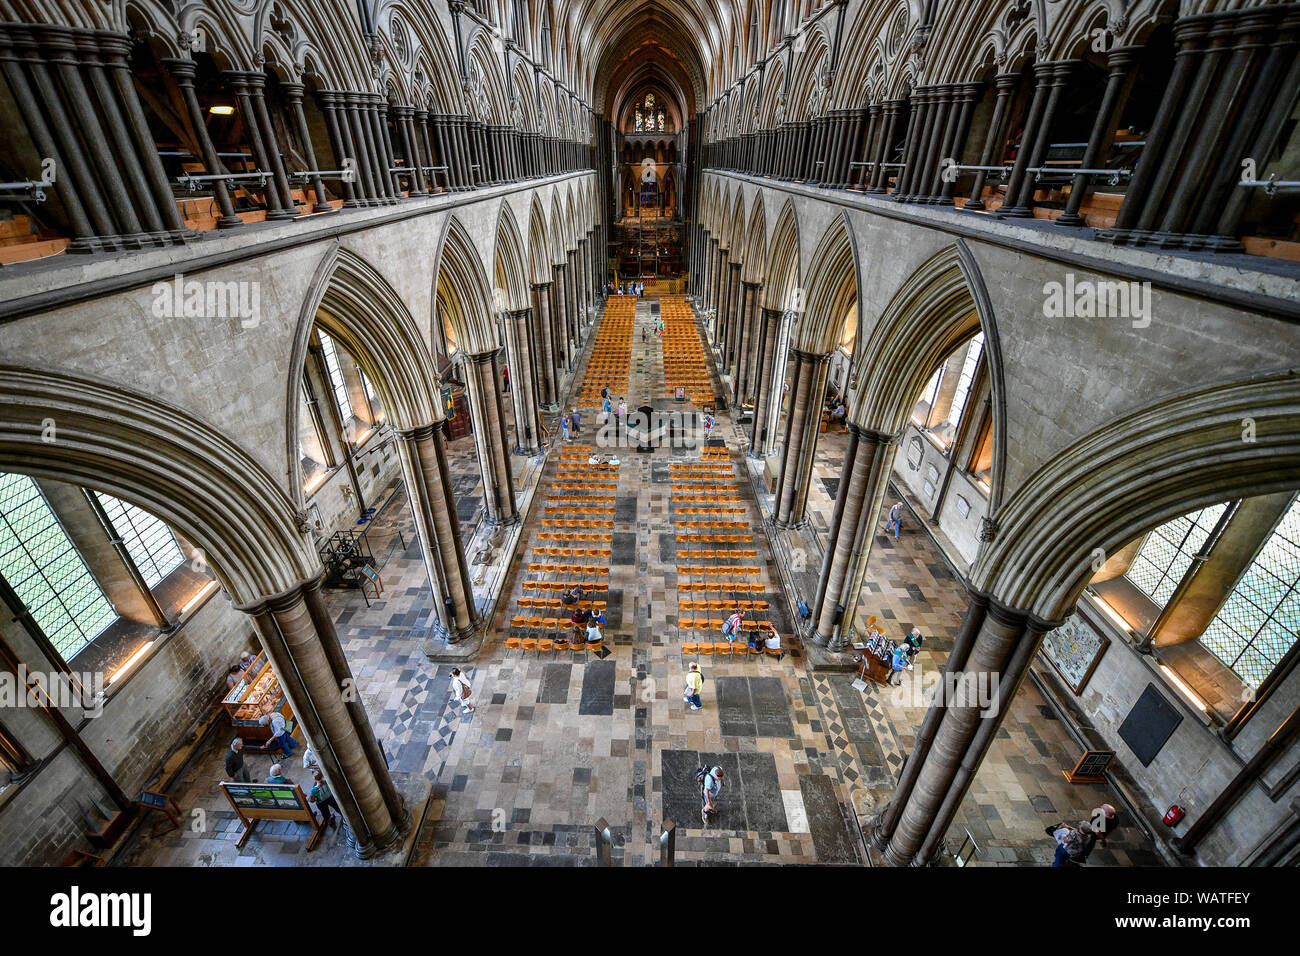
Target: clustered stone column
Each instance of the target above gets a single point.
(73, 91)
(524, 378)
(868, 462)
(1234, 72)
(801, 427)
(746, 329)
(988, 662)
(767, 391)
(303, 647)
(428, 485)
(544, 336)
(488, 416)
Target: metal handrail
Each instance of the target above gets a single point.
(33, 189)
(194, 183)
(1272, 184)
(303, 175)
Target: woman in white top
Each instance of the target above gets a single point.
(461, 691)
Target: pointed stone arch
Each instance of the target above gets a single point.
(1210, 444)
(461, 289)
(834, 287)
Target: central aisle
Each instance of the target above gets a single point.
(564, 734)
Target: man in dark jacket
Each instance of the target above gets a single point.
(235, 768)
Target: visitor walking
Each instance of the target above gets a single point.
(505, 378)
(323, 797)
(564, 426)
(622, 409)
(710, 780)
(694, 684)
(575, 421)
(708, 425)
(461, 691)
(895, 519)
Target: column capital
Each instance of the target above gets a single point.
(421, 432)
(542, 286)
(483, 358)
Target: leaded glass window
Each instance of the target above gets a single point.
(42, 565)
(1166, 553)
(150, 543)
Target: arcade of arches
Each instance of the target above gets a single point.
(315, 348)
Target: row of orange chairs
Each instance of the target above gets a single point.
(720, 605)
(717, 510)
(691, 570)
(717, 553)
(713, 524)
(715, 538)
(591, 587)
(721, 587)
(573, 536)
(538, 567)
(721, 648)
(573, 552)
(539, 644)
(559, 603)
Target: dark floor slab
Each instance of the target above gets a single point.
(735, 707)
(681, 795)
(829, 832)
(597, 689)
(771, 712)
(764, 808)
(625, 511)
(623, 547)
(554, 688)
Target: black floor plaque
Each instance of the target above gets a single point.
(597, 689)
(829, 832)
(554, 688)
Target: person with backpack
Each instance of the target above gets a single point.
(461, 691)
(323, 797)
(710, 781)
(694, 684)
(708, 425)
(1072, 845)
(731, 626)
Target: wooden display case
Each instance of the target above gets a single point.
(256, 695)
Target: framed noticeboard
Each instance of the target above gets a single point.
(1075, 648)
(254, 802)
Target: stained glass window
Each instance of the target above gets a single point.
(1166, 554)
(150, 543)
(1261, 618)
(639, 121)
(42, 565)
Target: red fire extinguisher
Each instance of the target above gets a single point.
(1173, 815)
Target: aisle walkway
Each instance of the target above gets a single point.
(560, 739)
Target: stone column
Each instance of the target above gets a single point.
(328, 103)
(489, 421)
(247, 88)
(560, 320)
(734, 308)
(850, 529)
(305, 654)
(767, 392)
(293, 94)
(879, 180)
(548, 390)
(1118, 81)
(801, 427)
(988, 663)
(428, 486)
(745, 339)
(183, 71)
(523, 378)
(117, 93)
(1021, 203)
(1006, 85)
(955, 140)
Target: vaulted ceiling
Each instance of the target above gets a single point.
(668, 45)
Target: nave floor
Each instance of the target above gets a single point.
(558, 740)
